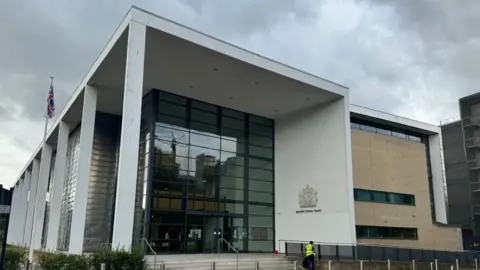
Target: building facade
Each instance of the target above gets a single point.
(461, 146)
(398, 187)
(182, 140)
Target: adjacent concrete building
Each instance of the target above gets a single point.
(462, 154)
(180, 139)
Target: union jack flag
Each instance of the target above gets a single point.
(50, 103)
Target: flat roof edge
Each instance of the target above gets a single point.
(403, 121)
(195, 36)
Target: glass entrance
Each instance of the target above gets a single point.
(205, 173)
(204, 231)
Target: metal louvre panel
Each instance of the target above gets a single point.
(68, 194)
(102, 185)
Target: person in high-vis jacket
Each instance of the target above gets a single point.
(310, 254)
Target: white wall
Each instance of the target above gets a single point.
(313, 147)
(438, 181)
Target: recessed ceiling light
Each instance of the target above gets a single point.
(230, 98)
(191, 86)
(256, 83)
(276, 110)
(215, 69)
(308, 99)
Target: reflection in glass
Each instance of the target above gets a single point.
(202, 163)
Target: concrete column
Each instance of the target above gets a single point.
(130, 136)
(44, 173)
(32, 198)
(58, 185)
(17, 215)
(23, 215)
(14, 208)
(83, 175)
(17, 205)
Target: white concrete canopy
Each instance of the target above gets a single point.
(186, 62)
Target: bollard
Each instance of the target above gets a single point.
(413, 264)
(436, 264)
(457, 264)
(213, 266)
(476, 264)
(361, 265)
(295, 265)
(431, 265)
(257, 265)
(389, 264)
(103, 266)
(329, 265)
(452, 268)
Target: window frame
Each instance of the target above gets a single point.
(388, 195)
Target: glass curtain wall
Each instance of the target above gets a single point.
(142, 214)
(102, 185)
(211, 176)
(68, 194)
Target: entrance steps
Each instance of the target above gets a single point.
(246, 261)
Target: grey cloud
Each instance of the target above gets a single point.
(409, 57)
(247, 17)
(4, 113)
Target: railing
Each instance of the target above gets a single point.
(450, 120)
(471, 121)
(223, 240)
(359, 252)
(471, 142)
(144, 240)
(473, 164)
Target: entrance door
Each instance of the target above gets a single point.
(205, 230)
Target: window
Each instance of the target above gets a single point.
(208, 158)
(399, 134)
(367, 128)
(383, 197)
(384, 130)
(401, 199)
(386, 232)
(380, 196)
(363, 195)
(414, 138)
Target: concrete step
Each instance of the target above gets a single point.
(225, 266)
(222, 262)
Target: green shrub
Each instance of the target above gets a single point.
(114, 260)
(61, 261)
(121, 259)
(14, 258)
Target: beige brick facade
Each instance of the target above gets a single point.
(389, 164)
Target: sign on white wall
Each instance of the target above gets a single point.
(308, 199)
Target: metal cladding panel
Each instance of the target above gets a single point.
(103, 178)
(457, 176)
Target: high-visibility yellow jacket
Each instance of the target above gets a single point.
(309, 250)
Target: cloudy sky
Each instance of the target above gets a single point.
(414, 58)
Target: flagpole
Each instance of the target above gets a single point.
(44, 141)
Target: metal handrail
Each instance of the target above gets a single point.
(229, 246)
(151, 249)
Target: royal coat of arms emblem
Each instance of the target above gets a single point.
(307, 198)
